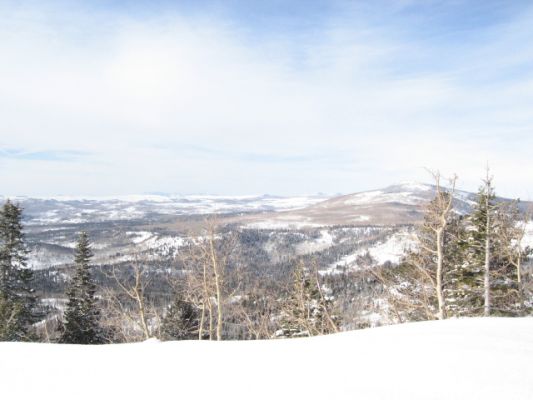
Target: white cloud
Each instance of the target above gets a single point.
(140, 95)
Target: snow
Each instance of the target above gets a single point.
(416, 186)
(528, 237)
(75, 210)
(324, 241)
(406, 193)
(487, 359)
(282, 224)
(166, 245)
(376, 197)
(392, 249)
(140, 236)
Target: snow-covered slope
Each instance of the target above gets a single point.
(489, 359)
(397, 204)
(391, 249)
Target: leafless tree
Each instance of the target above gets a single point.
(126, 307)
(416, 288)
(438, 213)
(512, 224)
(408, 291)
(206, 261)
(307, 311)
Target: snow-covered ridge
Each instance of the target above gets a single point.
(408, 193)
(379, 196)
(394, 362)
(401, 202)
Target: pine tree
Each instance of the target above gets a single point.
(489, 278)
(456, 276)
(482, 246)
(17, 298)
(181, 321)
(81, 324)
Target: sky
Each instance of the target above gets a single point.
(252, 97)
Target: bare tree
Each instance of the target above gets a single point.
(207, 259)
(416, 288)
(439, 214)
(408, 291)
(127, 306)
(512, 232)
(307, 311)
(256, 313)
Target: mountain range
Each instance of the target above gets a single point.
(339, 229)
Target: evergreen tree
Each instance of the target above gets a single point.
(456, 276)
(181, 321)
(17, 299)
(482, 260)
(416, 279)
(481, 251)
(489, 281)
(82, 315)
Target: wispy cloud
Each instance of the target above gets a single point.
(224, 154)
(45, 155)
(340, 97)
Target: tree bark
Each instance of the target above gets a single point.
(439, 284)
(217, 289)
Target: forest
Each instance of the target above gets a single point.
(219, 284)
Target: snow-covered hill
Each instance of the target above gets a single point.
(397, 204)
(489, 359)
(159, 223)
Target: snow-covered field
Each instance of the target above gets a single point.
(454, 359)
(71, 210)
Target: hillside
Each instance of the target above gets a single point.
(394, 205)
(344, 226)
(454, 359)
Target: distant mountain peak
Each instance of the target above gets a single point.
(410, 186)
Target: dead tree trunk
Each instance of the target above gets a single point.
(441, 213)
(218, 291)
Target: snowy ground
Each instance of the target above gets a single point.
(455, 359)
(391, 249)
(72, 210)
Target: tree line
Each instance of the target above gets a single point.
(462, 265)
(202, 306)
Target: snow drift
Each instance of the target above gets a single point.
(453, 359)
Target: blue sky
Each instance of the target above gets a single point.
(282, 97)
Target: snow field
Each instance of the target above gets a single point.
(454, 359)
